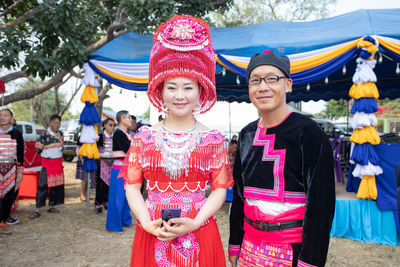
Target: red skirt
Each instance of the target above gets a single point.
(54, 170)
(211, 252)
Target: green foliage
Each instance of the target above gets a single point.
(249, 12)
(45, 102)
(57, 37)
(146, 115)
(334, 109)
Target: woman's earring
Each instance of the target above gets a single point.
(196, 110)
(164, 110)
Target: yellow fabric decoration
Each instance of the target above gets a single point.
(364, 43)
(367, 189)
(365, 135)
(372, 49)
(89, 95)
(122, 77)
(89, 150)
(389, 45)
(361, 90)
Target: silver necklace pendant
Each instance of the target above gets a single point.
(176, 147)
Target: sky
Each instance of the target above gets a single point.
(218, 117)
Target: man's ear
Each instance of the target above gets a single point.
(289, 84)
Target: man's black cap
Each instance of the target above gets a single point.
(268, 57)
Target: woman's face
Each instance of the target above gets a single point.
(180, 95)
(109, 126)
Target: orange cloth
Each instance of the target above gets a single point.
(367, 189)
(362, 90)
(365, 135)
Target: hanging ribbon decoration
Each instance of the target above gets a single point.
(365, 136)
(89, 117)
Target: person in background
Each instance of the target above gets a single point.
(134, 126)
(232, 147)
(234, 138)
(106, 161)
(11, 163)
(118, 213)
(50, 144)
(82, 175)
(284, 193)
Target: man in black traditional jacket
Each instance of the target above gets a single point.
(284, 193)
(118, 213)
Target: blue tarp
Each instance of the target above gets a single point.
(285, 38)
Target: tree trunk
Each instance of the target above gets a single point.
(27, 94)
(56, 99)
(70, 100)
(102, 95)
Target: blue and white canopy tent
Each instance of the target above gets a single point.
(324, 57)
(322, 54)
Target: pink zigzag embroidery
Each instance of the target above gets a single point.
(270, 154)
(278, 156)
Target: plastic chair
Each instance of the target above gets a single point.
(337, 159)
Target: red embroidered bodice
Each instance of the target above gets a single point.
(206, 162)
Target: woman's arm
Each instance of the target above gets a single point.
(138, 207)
(186, 225)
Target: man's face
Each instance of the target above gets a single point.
(271, 96)
(5, 118)
(133, 125)
(55, 125)
(126, 120)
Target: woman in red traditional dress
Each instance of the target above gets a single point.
(179, 156)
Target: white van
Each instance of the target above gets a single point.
(28, 130)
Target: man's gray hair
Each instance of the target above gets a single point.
(120, 114)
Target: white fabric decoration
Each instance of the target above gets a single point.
(90, 76)
(88, 134)
(364, 71)
(367, 170)
(361, 119)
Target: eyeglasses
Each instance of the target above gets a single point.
(272, 79)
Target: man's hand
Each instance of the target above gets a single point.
(233, 260)
(39, 145)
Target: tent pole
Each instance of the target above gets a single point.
(88, 195)
(230, 126)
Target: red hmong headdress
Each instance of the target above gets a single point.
(182, 48)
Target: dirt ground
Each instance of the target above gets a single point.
(73, 239)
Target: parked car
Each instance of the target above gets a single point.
(71, 129)
(344, 127)
(28, 130)
(328, 128)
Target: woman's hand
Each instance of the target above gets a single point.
(177, 227)
(233, 260)
(153, 227)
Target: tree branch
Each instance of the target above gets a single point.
(13, 76)
(57, 100)
(27, 94)
(21, 19)
(10, 8)
(70, 100)
(104, 40)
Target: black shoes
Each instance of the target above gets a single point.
(11, 221)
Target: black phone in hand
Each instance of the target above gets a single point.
(167, 214)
